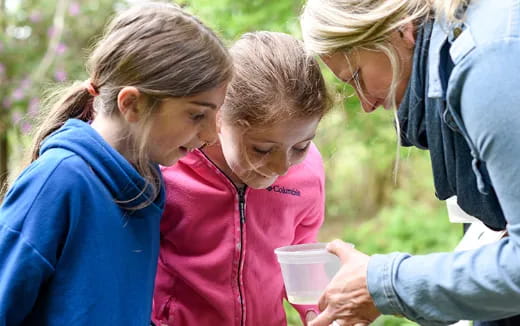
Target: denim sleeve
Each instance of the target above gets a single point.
(481, 284)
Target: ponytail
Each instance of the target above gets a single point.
(74, 102)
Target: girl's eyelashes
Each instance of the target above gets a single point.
(197, 116)
(302, 149)
(261, 151)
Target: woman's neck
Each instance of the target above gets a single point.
(215, 154)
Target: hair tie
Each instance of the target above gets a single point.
(91, 88)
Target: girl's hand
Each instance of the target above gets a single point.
(346, 301)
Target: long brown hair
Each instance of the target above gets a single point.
(274, 79)
(157, 48)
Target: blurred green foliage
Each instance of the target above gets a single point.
(367, 203)
(41, 42)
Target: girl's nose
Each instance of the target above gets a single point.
(208, 131)
(280, 164)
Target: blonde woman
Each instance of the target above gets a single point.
(451, 70)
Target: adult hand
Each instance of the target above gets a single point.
(346, 301)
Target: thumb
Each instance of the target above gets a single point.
(323, 319)
(340, 249)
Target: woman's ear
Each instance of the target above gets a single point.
(407, 33)
(128, 103)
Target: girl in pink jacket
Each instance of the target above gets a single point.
(229, 205)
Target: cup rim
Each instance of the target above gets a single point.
(306, 249)
(305, 252)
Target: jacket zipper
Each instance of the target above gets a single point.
(242, 211)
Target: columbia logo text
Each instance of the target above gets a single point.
(283, 190)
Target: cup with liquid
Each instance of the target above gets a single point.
(307, 269)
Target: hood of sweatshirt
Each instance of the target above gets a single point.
(120, 177)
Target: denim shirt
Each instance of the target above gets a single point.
(482, 96)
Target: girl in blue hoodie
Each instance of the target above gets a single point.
(79, 228)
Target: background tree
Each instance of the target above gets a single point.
(41, 42)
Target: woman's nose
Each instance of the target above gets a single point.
(368, 104)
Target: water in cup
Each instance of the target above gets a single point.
(307, 270)
(304, 297)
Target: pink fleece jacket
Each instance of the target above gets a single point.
(217, 264)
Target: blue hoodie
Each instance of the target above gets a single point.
(69, 253)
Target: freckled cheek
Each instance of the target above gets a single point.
(299, 159)
(248, 166)
(238, 164)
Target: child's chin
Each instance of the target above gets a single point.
(260, 184)
(169, 162)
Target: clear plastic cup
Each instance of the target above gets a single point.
(307, 270)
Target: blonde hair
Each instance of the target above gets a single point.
(157, 48)
(274, 80)
(450, 10)
(331, 26)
